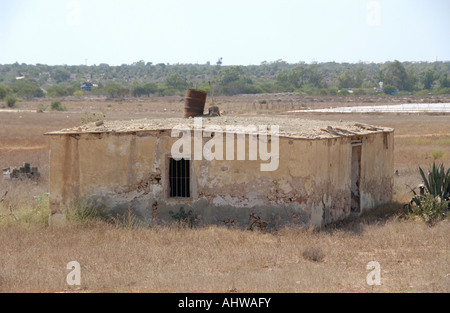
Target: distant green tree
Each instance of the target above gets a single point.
(351, 78)
(233, 81)
(147, 89)
(137, 91)
(444, 82)
(428, 78)
(10, 101)
(175, 81)
(114, 90)
(333, 91)
(230, 74)
(314, 76)
(397, 76)
(161, 67)
(61, 75)
(283, 80)
(359, 77)
(378, 77)
(150, 88)
(4, 91)
(27, 89)
(389, 89)
(411, 79)
(300, 76)
(162, 90)
(359, 92)
(56, 91)
(296, 77)
(345, 80)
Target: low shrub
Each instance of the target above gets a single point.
(10, 101)
(389, 89)
(314, 254)
(58, 106)
(431, 209)
(343, 92)
(432, 203)
(437, 154)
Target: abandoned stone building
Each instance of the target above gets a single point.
(225, 170)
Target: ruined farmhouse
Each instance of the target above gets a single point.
(225, 170)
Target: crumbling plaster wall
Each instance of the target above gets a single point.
(128, 171)
(377, 170)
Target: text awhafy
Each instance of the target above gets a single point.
(232, 302)
(246, 302)
(233, 147)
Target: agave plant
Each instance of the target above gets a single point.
(436, 184)
(437, 181)
(433, 200)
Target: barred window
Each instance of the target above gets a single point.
(179, 178)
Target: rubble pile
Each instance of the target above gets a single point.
(24, 172)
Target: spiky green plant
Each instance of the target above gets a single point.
(433, 200)
(437, 181)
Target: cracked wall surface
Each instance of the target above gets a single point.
(126, 172)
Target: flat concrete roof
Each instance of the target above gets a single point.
(288, 126)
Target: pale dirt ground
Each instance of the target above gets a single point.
(413, 256)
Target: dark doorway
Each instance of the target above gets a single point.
(355, 201)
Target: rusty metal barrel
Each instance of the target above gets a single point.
(194, 103)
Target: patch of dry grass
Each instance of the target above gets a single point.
(412, 153)
(117, 258)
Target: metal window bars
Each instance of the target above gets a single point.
(179, 178)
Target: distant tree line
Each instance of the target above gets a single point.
(142, 79)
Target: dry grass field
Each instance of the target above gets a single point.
(413, 257)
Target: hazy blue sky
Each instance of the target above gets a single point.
(241, 31)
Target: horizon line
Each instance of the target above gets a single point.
(211, 64)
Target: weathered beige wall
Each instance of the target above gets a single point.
(377, 169)
(120, 172)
